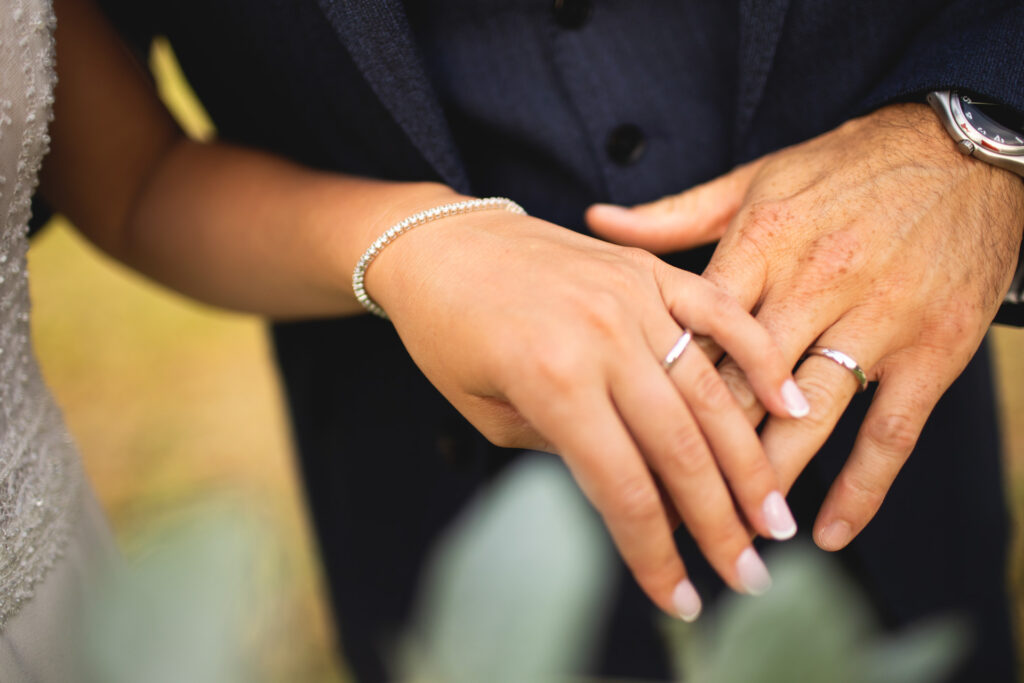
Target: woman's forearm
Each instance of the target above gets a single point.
(231, 226)
(249, 231)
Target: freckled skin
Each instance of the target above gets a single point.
(877, 238)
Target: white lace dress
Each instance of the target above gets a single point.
(51, 534)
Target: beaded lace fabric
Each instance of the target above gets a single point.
(39, 472)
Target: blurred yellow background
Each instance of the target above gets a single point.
(171, 402)
(174, 404)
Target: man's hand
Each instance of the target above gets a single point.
(544, 338)
(877, 239)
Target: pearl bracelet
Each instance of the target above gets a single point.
(453, 209)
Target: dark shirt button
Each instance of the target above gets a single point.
(626, 144)
(572, 13)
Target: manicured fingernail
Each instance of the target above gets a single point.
(753, 574)
(686, 601)
(778, 517)
(796, 402)
(835, 536)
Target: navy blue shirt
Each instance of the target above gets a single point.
(610, 117)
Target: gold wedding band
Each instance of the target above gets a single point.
(844, 360)
(676, 352)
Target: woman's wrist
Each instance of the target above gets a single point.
(353, 212)
(437, 213)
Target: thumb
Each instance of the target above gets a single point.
(680, 221)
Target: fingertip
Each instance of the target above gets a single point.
(603, 214)
(794, 400)
(778, 517)
(752, 572)
(834, 536)
(775, 398)
(686, 601)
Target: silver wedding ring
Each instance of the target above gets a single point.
(844, 360)
(677, 350)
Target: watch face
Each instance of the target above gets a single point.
(997, 127)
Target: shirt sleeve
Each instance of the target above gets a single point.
(970, 46)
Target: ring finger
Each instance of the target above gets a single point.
(829, 386)
(675, 448)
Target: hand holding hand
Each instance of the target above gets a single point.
(544, 338)
(877, 239)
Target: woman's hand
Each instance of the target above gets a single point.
(547, 339)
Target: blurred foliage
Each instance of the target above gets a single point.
(517, 590)
(813, 625)
(180, 611)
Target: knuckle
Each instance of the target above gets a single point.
(863, 491)
(765, 217)
(720, 300)
(823, 396)
(637, 502)
(558, 368)
(762, 223)
(894, 433)
(686, 454)
(728, 313)
(710, 391)
(736, 381)
(958, 320)
(604, 311)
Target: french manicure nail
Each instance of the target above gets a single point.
(796, 402)
(686, 601)
(834, 536)
(778, 516)
(753, 574)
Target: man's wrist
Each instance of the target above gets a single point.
(933, 145)
(989, 143)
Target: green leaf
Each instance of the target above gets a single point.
(922, 654)
(518, 586)
(178, 613)
(813, 625)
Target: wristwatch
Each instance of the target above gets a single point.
(985, 130)
(991, 132)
